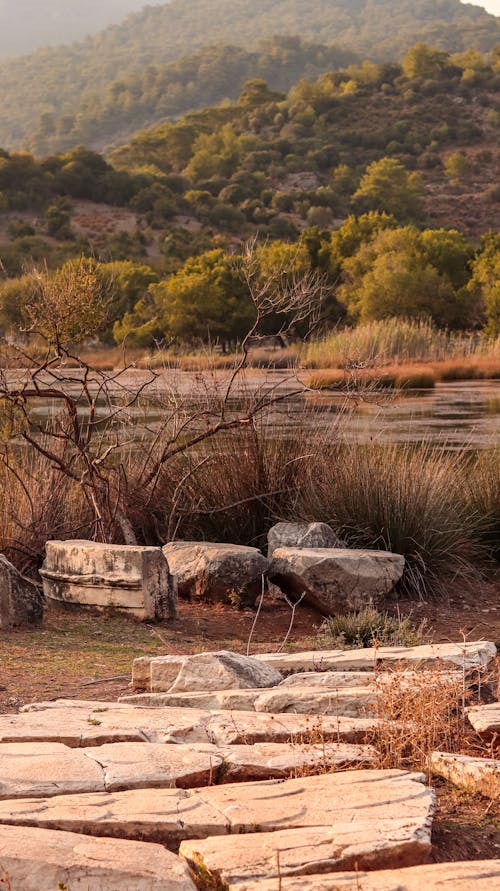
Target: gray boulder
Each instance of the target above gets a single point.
(336, 580)
(301, 535)
(216, 572)
(223, 670)
(21, 601)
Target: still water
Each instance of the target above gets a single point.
(455, 415)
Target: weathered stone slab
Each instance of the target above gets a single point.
(476, 775)
(139, 766)
(21, 601)
(171, 815)
(471, 656)
(331, 680)
(234, 859)
(222, 670)
(485, 720)
(302, 535)
(476, 875)
(351, 703)
(248, 728)
(43, 860)
(34, 770)
(336, 580)
(95, 725)
(217, 572)
(282, 761)
(314, 700)
(233, 700)
(130, 578)
(88, 726)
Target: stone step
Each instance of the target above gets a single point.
(34, 770)
(231, 860)
(43, 860)
(477, 775)
(485, 720)
(469, 656)
(169, 816)
(94, 724)
(476, 875)
(350, 702)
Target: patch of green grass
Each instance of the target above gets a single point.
(367, 628)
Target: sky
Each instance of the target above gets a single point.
(491, 5)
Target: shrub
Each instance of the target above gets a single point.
(368, 628)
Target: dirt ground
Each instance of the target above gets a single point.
(89, 655)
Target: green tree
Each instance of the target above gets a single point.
(424, 61)
(205, 300)
(485, 281)
(392, 275)
(457, 167)
(388, 186)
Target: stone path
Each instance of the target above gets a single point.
(244, 787)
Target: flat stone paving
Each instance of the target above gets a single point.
(92, 791)
(477, 875)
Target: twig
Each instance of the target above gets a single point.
(293, 607)
(256, 617)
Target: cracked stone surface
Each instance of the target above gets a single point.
(476, 775)
(92, 725)
(33, 770)
(336, 580)
(43, 860)
(477, 875)
(471, 656)
(202, 671)
(301, 535)
(315, 849)
(171, 815)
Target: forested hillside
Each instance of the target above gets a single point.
(31, 24)
(158, 92)
(70, 82)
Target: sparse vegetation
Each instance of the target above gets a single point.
(368, 628)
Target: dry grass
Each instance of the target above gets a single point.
(396, 377)
(396, 341)
(368, 628)
(418, 715)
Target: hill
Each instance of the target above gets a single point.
(65, 81)
(30, 25)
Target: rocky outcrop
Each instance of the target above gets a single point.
(336, 580)
(202, 671)
(302, 535)
(21, 601)
(130, 578)
(225, 573)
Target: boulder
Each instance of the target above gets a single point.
(302, 535)
(133, 579)
(202, 672)
(477, 775)
(21, 601)
(336, 580)
(43, 860)
(217, 572)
